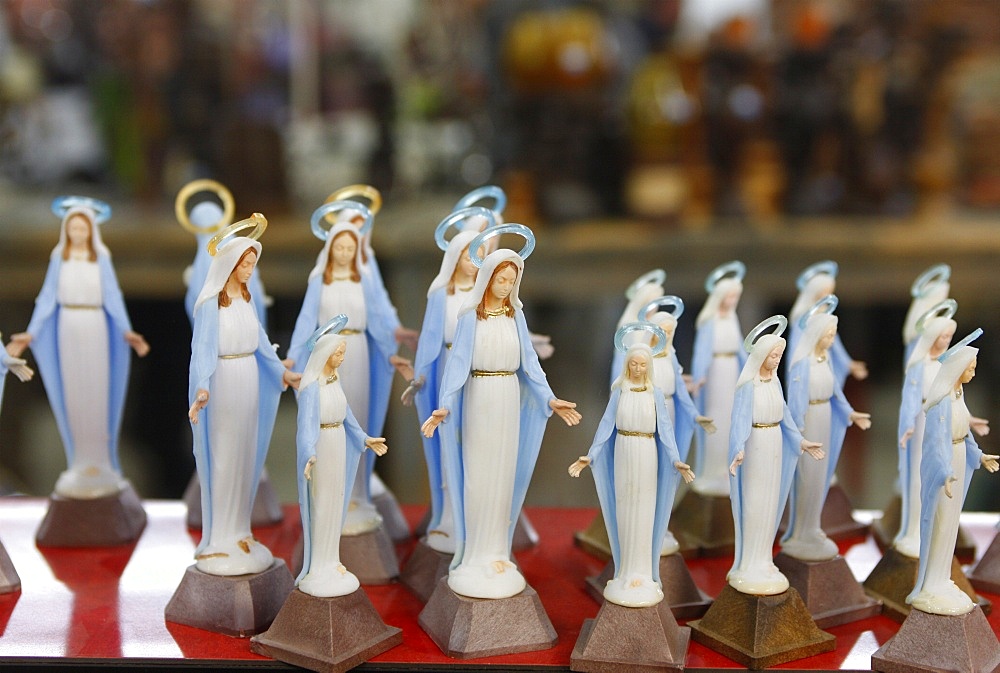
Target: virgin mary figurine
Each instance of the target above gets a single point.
(930, 288)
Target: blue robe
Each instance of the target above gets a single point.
(840, 418)
(910, 409)
(602, 455)
(204, 358)
(306, 438)
(427, 364)
(839, 358)
(199, 272)
(738, 436)
(935, 468)
(701, 360)
(44, 328)
(535, 411)
(685, 411)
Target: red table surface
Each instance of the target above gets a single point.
(105, 606)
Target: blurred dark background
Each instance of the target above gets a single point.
(630, 134)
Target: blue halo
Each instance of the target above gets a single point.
(492, 232)
(654, 277)
(735, 268)
(333, 326)
(484, 192)
(641, 326)
(336, 206)
(925, 282)
(828, 267)
(975, 334)
(775, 320)
(666, 300)
(827, 304)
(460, 216)
(63, 204)
(943, 309)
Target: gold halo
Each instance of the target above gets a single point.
(351, 193)
(196, 187)
(258, 221)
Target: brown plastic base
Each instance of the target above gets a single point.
(892, 580)
(620, 640)
(392, 517)
(829, 590)
(9, 579)
(424, 569)
(705, 523)
(935, 643)
(241, 605)
(101, 522)
(468, 628)
(328, 635)
(685, 599)
(761, 631)
(986, 575)
(370, 556)
(266, 505)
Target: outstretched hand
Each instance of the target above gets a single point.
(430, 425)
(737, 461)
(576, 468)
(377, 444)
(566, 411)
(200, 402)
(814, 449)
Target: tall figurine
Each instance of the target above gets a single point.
(9, 579)
(815, 283)
(340, 283)
(329, 597)
(765, 445)
(236, 380)
(643, 290)
(930, 288)
(205, 219)
(945, 630)
(80, 335)
(496, 395)
(822, 414)
(636, 466)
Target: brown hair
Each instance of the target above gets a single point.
(451, 281)
(224, 298)
(328, 271)
(508, 309)
(92, 256)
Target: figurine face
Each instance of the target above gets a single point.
(773, 358)
(730, 301)
(943, 341)
(78, 230)
(826, 340)
(503, 283)
(245, 267)
(337, 356)
(343, 249)
(969, 373)
(637, 365)
(465, 266)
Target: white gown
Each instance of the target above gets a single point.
(720, 389)
(636, 466)
(232, 416)
(490, 432)
(761, 478)
(908, 541)
(84, 368)
(327, 576)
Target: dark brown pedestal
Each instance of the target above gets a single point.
(468, 628)
(621, 640)
(392, 517)
(241, 605)
(828, 589)
(370, 556)
(329, 635)
(99, 522)
(424, 569)
(266, 505)
(680, 593)
(9, 579)
(892, 580)
(986, 575)
(760, 631)
(884, 531)
(705, 523)
(934, 643)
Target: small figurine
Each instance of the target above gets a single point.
(80, 335)
(636, 465)
(815, 283)
(643, 290)
(500, 401)
(632, 456)
(930, 288)
(715, 367)
(236, 380)
(9, 580)
(340, 283)
(946, 630)
(821, 413)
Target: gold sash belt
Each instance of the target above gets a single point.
(480, 372)
(330, 426)
(765, 425)
(235, 356)
(819, 401)
(630, 433)
(89, 307)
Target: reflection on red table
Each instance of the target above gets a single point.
(108, 603)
